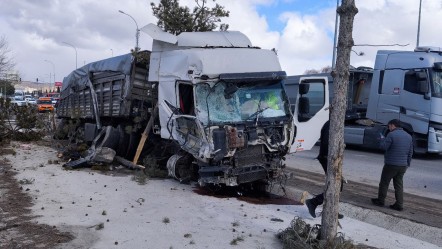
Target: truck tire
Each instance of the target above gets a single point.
(123, 141)
(134, 139)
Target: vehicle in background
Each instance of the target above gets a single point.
(404, 85)
(55, 97)
(44, 104)
(19, 95)
(31, 101)
(18, 102)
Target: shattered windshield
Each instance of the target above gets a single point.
(237, 102)
(436, 84)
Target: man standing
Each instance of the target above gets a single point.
(323, 160)
(398, 146)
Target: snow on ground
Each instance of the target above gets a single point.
(162, 213)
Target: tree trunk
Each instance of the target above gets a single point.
(346, 12)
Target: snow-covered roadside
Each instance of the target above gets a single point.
(162, 213)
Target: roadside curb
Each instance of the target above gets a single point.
(392, 223)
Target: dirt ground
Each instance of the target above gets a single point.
(17, 228)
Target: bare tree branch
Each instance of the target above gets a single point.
(6, 62)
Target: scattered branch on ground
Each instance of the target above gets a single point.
(302, 235)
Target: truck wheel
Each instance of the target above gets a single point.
(134, 139)
(123, 141)
(111, 139)
(259, 187)
(61, 132)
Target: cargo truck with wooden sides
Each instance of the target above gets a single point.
(205, 105)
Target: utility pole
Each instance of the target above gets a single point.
(336, 35)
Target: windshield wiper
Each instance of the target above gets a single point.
(259, 111)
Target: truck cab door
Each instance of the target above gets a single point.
(415, 102)
(311, 112)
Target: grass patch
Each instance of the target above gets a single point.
(153, 168)
(140, 178)
(26, 181)
(235, 241)
(166, 220)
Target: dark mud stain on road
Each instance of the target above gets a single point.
(253, 197)
(18, 229)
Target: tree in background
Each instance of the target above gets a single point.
(347, 12)
(6, 63)
(6, 87)
(326, 69)
(176, 19)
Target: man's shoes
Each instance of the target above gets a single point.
(377, 202)
(311, 207)
(396, 207)
(340, 216)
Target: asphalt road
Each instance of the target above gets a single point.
(362, 169)
(423, 177)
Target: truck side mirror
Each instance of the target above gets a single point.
(423, 89)
(304, 88)
(438, 66)
(421, 76)
(422, 86)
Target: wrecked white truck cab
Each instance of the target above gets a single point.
(223, 114)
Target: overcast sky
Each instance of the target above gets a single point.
(300, 30)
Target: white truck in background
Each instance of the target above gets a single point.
(404, 85)
(223, 114)
(19, 95)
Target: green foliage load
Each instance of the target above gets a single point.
(22, 123)
(176, 19)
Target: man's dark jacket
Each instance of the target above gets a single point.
(398, 146)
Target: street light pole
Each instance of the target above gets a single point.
(137, 34)
(53, 67)
(70, 45)
(112, 52)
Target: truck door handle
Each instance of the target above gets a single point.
(402, 110)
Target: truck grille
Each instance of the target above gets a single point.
(252, 155)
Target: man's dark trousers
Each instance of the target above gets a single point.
(396, 173)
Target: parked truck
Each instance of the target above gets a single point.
(404, 85)
(212, 105)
